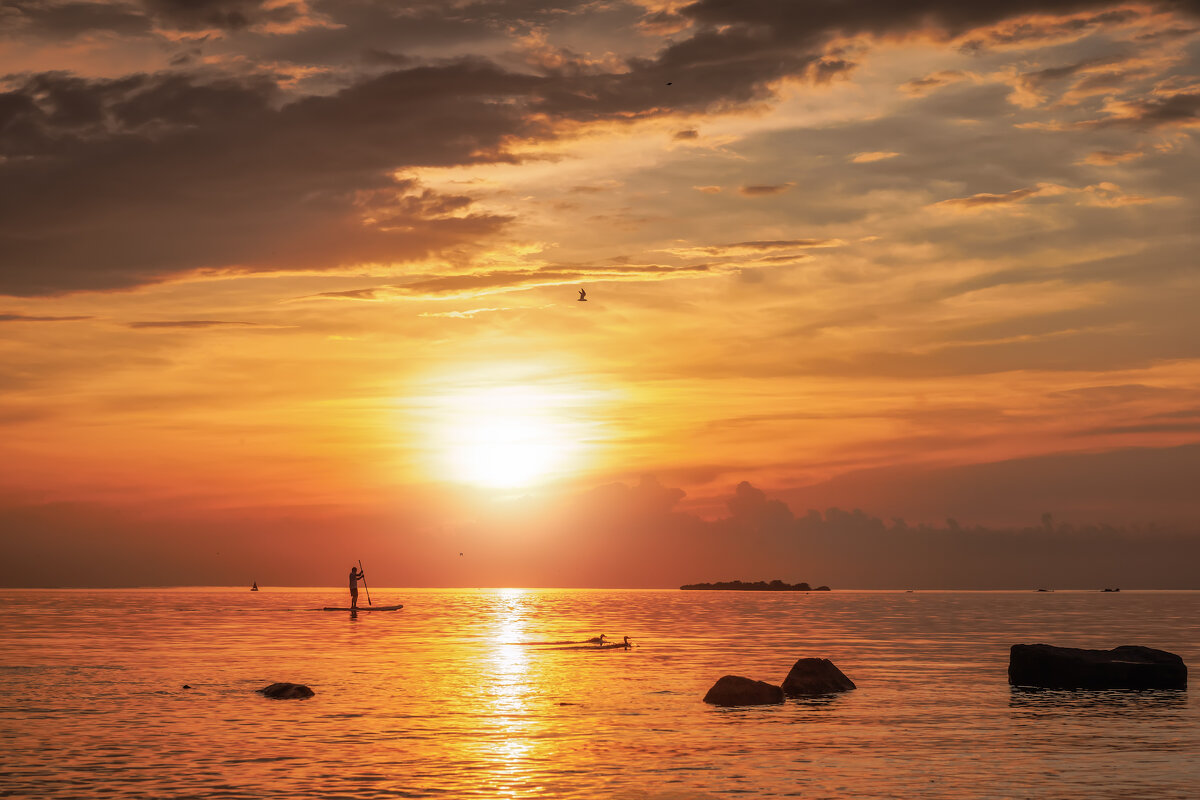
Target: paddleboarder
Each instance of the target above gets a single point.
(355, 577)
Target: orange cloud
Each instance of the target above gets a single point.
(1107, 158)
(867, 158)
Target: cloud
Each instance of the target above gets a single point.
(187, 323)
(596, 188)
(1105, 194)
(918, 87)
(28, 318)
(68, 20)
(1107, 158)
(1180, 110)
(663, 23)
(708, 189)
(760, 190)
(867, 158)
(493, 281)
(115, 183)
(750, 248)
(467, 314)
(686, 135)
(1131, 484)
(1143, 428)
(1050, 23)
(989, 200)
(643, 534)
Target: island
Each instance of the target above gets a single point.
(756, 586)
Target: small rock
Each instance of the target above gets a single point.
(734, 690)
(1128, 667)
(815, 676)
(186, 686)
(286, 691)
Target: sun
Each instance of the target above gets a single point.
(504, 438)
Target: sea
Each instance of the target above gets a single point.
(495, 693)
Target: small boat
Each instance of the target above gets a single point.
(363, 608)
(254, 587)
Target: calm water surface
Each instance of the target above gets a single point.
(457, 696)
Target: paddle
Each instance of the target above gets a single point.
(364, 580)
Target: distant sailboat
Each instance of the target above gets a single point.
(254, 587)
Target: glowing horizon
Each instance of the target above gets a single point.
(325, 271)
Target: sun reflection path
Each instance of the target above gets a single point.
(513, 746)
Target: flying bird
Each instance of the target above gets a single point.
(582, 296)
(668, 83)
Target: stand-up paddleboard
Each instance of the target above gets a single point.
(363, 608)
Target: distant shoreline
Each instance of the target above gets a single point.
(756, 586)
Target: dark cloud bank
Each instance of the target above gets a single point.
(116, 182)
(617, 535)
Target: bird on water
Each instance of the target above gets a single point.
(582, 296)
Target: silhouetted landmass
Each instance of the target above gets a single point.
(756, 586)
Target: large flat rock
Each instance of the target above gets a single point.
(1128, 667)
(815, 676)
(734, 690)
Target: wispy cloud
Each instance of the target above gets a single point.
(187, 323)
(1100, 194)
(867, 158)
(30, 318)
(494, 281)
(762, 189)
(750, 248)
(1107, 158)
(918, 87)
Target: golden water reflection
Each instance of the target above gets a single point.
(513, 746)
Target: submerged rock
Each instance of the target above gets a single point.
(815, 676)
(286, 691)
(1128, 667)
(734, 690)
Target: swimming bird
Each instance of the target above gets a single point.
(582, 296)
(628, 643)
(597, 639)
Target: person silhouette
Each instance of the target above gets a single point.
(355, 577)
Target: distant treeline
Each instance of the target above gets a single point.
(756, 586)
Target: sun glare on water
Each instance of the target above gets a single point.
(506, 438)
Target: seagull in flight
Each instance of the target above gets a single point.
(582, 296)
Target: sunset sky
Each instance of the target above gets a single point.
(306, 266)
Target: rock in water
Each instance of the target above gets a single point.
(734, 690)
(1129, 667)
(815, 676)
(286, 691)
